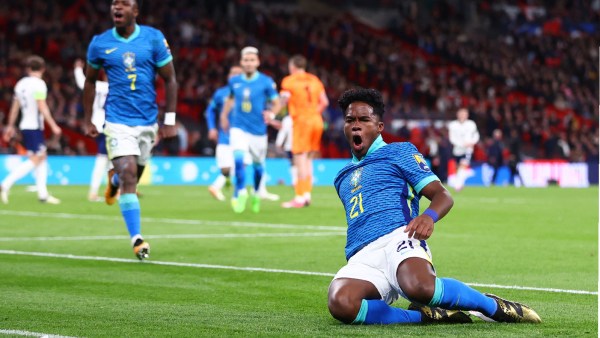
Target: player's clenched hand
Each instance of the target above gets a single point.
(168, 131)
(90, 129)
(421, 227)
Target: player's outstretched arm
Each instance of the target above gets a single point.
(167, 72)
(421, 227)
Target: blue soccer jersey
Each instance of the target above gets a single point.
(380, 193)
(251, 97)
(213, 113)
(130, 65)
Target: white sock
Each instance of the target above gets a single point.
(98, 173)
(460, 178)
(17, 173)
(294, 174)
(307, 196)
(41, 177)
(219, 182)
(262, 187)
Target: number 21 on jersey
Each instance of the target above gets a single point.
(357, 206)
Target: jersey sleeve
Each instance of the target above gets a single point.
(413, 167)
(162, 52)
(93, 57)
(229, 89)
(211, 113)
(40, 92)
(285, 84)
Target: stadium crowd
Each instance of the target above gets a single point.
(526, 68)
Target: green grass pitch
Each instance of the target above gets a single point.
(69, 270)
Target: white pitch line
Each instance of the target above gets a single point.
(31, 334)
(61, 215)
(237, 268)
(173, 236)
(531, 288)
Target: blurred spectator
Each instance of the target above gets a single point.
(495, 153)
(532, 66)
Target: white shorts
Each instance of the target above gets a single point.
(122, 140)
(378, 262)
(255, 145)
(224, 156)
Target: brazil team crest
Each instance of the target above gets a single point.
(355, 179)
(421, 162)
(129, 61)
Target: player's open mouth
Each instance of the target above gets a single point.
(356, 140)
(117, 16)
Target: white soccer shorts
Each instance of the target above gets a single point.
(255, 145)
(378, 262)
(122, 140)
(224, 156)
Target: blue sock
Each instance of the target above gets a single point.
(130, 209)
(452, 294)
(259, 169)
(115, 180)
(378, 312)
(240, 171)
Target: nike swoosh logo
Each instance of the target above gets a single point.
(108, 51)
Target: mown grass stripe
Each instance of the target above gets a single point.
(256, 269)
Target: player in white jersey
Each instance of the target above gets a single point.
(284, 141)
(463, 135)
(30, 100)
(101, 164)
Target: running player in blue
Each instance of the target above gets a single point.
(131, 56)
(253, 99)
(223, 152)
(386, 249)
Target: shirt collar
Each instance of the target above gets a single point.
(378, 143)
(136, 32)
(251, 78)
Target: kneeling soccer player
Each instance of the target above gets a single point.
(386, 249)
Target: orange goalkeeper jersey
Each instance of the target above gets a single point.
(305, 90)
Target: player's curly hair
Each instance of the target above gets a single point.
(371, 97)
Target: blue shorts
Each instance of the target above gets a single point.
(101, 143)
(466, 158)
(33, 140)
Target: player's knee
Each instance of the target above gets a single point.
(342, 305)
(418, 291)
(127, 178)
